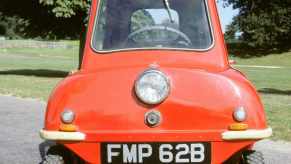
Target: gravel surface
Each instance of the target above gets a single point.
(278, 152)
(20, 120)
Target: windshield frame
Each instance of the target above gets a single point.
(151, 48)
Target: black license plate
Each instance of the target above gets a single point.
(155, 153)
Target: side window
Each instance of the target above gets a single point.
(100, 27)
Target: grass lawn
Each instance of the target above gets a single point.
(274, 85)
(22, 68)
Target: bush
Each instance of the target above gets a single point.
(13, 27)
(244, 50)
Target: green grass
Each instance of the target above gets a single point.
(27, 72)
(274, 86)
(270, 60)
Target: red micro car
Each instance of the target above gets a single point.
(155, 86)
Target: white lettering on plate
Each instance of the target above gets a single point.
(144, 151)
(166, 156)
(183, 149)
(197, 150)
(137, 153)
(111, 153)
(129, 153)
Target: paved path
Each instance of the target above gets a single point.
(20, 120)
(275, 152)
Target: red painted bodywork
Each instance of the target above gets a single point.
(204, 92)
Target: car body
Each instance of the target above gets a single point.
(109, 117)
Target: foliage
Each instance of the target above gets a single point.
(12, 26)
(139, 20)
(264, 24)
(67, 8)
(29, 19)
(231, 32)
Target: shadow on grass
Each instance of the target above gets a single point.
(275, 91)
(36, 72)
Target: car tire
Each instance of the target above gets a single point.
(246, 157)
(253, 157)
(53, 159)
(58, 154)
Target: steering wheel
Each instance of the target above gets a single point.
(182, 35)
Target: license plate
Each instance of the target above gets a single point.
(155, 153)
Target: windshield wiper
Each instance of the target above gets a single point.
(167, 6)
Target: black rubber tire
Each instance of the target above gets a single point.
(58, 154)
(253, 157)
(246, 157)
(53, 159)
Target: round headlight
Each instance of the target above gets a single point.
(152, 87)
(68, 116)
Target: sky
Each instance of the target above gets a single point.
(226, 15)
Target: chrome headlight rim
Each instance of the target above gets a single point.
(160, 73)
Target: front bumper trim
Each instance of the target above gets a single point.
(228, 135)
(61, 136)
(247, 135)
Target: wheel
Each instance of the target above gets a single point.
(246, 157)
(58, 154)
(253, 157)
(53, 159)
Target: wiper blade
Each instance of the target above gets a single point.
(168, 8)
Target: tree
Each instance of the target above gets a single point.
(30, 19)
(67, 8)
(264, 24)
(140, 19)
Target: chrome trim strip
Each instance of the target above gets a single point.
(61, 136)
(247, 135)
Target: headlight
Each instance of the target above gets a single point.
(68, 116)
(152, 87)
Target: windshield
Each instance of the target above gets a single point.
(152, 24)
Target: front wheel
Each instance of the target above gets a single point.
(253, 157)
(58, 154)
(247, 157)
(53, 159)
